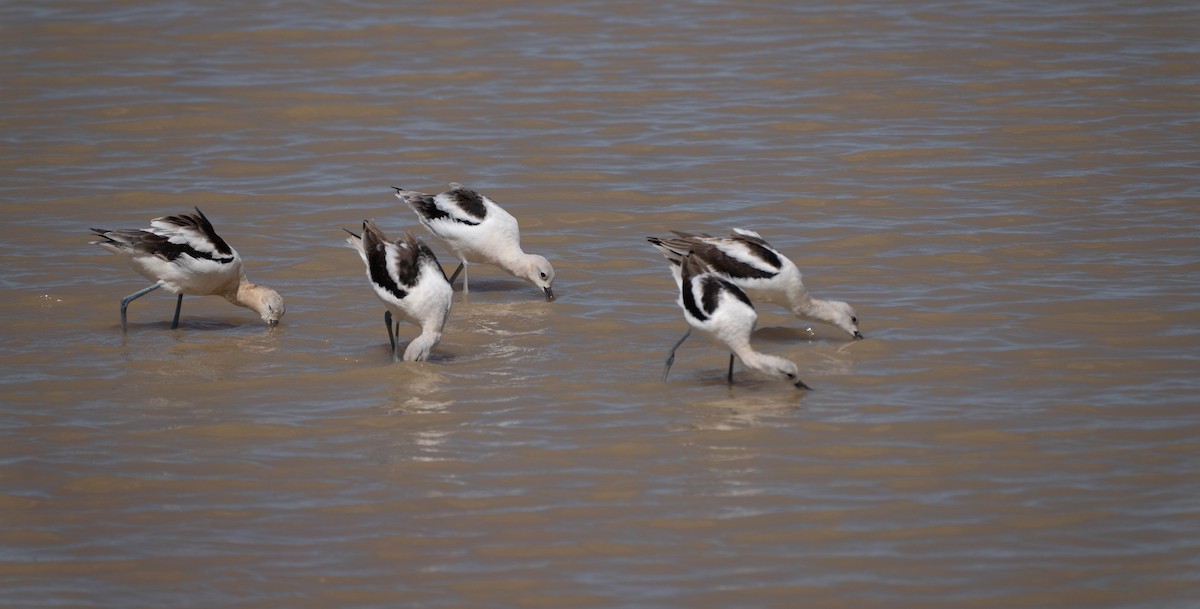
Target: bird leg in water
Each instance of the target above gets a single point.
(671, 357)
(729, 378)
(387, 320)
(130, 298)
(178, 305)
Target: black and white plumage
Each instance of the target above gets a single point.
(766, 275)
(476, 229)
(184, 255)
(722, 313)
(406, 276)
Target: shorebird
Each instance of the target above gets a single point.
(406, 276)
(747, 260)
(184, 255)
(476, 229)
(722, 312)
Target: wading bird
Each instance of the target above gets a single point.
(184, 255)
(722, 312)
(476, 229)
(747, 260)
(406, 276)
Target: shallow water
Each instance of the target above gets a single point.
(1006, 192)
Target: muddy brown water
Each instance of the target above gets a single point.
(1006, 191)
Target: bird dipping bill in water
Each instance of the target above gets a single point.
(476, 229)
(184, 255)
(747, 260)
(406, 276)
(722, 312)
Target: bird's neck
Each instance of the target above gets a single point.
(419, 348)
(812, 309)
(763, 363)
(243, 293)
(514, 260)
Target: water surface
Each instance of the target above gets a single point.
(1005, 191)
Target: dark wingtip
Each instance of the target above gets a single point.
(691, 265)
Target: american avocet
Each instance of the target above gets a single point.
(723, 313)
(406, 276)
(184, 255)
(766, 275)
(476, 229)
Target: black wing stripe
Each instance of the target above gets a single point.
(429, 210)
(737, 292)
(172, 251)
(426, 254)
(377, 263)
(207, 228)
(764, 253)
(469, 201)
(407, 256)
(145, 242)
(726, 265)
(689, 267)
(689, 301)
(199, 223)
(712, 291)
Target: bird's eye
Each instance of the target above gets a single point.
(854, 320)
(543, 275)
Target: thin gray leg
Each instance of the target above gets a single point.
(130, 298)
(729, 378)
(396, 350)
(387, 321)
(178, 305)
(458, 270)
(671, 357)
